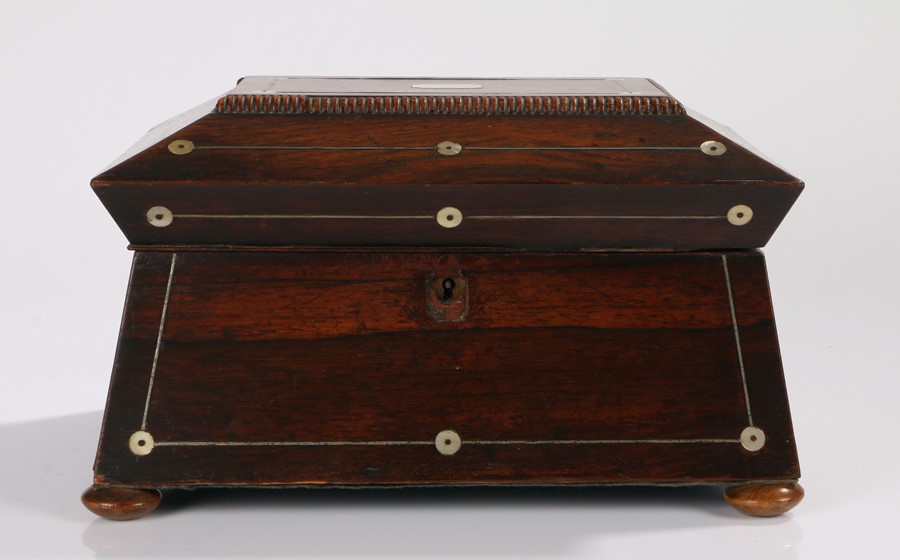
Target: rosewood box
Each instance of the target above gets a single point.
(387, 282)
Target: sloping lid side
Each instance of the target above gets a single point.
(613, 163)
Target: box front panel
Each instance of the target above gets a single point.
(389, 368)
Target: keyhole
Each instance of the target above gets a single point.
(448, 284)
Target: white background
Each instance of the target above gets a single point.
(814, 85)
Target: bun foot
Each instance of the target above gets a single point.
(764, 499)
(120, 504)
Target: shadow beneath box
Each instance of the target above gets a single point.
(53, 468)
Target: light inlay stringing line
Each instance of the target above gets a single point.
(737, 339)
(473, 148)
(159, 336)
(430, 217)
(419, 442)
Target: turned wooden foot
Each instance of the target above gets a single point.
(764, 499)
(120, 504)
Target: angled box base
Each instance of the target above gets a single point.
(442, 368)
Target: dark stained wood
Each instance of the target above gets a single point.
(520, 181)
(238, 149)
(298, 315)
(470, 131)
(764, 499)
(559, 234)
(249, 296)
(341, 347)
(425, 166)
(120, 504)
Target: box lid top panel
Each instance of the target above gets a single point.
(287, 85)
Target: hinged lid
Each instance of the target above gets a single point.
(607, 163)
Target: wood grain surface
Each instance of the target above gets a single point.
(317, 367)
(120, 504)
(765, 500)
(564, 181)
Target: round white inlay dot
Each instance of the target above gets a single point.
(181, 147)
(140, 443)
(448, 148)
(449, 217)
(159, 216)
(447, 442)
(740, 215)
(753, 439)
(713, 148)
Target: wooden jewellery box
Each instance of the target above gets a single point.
(389, 282)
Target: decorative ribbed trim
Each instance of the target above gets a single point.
(449, 105)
